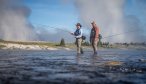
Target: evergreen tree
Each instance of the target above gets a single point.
(86, 43)
(99, 42)
(62, 42)
(1, 40)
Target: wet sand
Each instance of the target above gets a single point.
(66, 67)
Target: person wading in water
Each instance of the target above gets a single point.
(78, 35)
(94, 36)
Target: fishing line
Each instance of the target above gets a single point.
(121, 33)
(45, 26)
(50, 27)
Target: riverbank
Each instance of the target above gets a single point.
(36, 45)
(40, 45)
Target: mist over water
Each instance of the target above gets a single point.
(112, 18)
(14, 24)
(53, 34)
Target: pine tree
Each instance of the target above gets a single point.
(62, 42)
(99, 42)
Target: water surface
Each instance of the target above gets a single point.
(109, 66)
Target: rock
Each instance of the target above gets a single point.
(113, 63)
(142, 60)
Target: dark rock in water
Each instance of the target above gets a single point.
(1, 82)
(142, 60)
(113, 63)
(124, 82)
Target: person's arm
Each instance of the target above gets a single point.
(80, 35)
(71, 33)
(90, 35)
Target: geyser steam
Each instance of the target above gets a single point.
(110, 16)
(14, 24)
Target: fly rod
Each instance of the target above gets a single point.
(45, 26)
(120, 34)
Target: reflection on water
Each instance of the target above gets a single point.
(108, 66)
(92, 59)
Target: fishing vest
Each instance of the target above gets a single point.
(93, 33)
(77, 32)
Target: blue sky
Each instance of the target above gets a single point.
(134, 8)
(137, 8)
(54, 13)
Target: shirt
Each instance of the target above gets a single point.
(94, 32)
(78, 33)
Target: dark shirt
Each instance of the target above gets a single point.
(93, 33)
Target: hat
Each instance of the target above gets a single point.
(78, 24)
(93, 22)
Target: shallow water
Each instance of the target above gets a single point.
(109, 66)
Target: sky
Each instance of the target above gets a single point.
(40, 19)
(56, 13)
(65, 13)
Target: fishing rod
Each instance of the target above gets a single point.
(46, 26)
(120, 34)
(102, 38)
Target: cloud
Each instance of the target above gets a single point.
(14, 24)
(53, 34)
(136, 21)
(108, 14)
(111, 18)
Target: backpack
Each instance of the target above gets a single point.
(84, 37)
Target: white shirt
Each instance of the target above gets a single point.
(80, 35)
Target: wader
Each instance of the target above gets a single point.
(79, 45)
(94, 45)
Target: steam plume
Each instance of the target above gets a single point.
(14, 24)
(111, 18)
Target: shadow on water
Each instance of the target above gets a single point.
(66, 67)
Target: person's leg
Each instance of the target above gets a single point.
(95, 46)
(78, 46)
(81, 49)
(82, 52)
(92, 43)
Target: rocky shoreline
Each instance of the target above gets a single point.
(26, 47)
(19, 46)
(46, 46)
